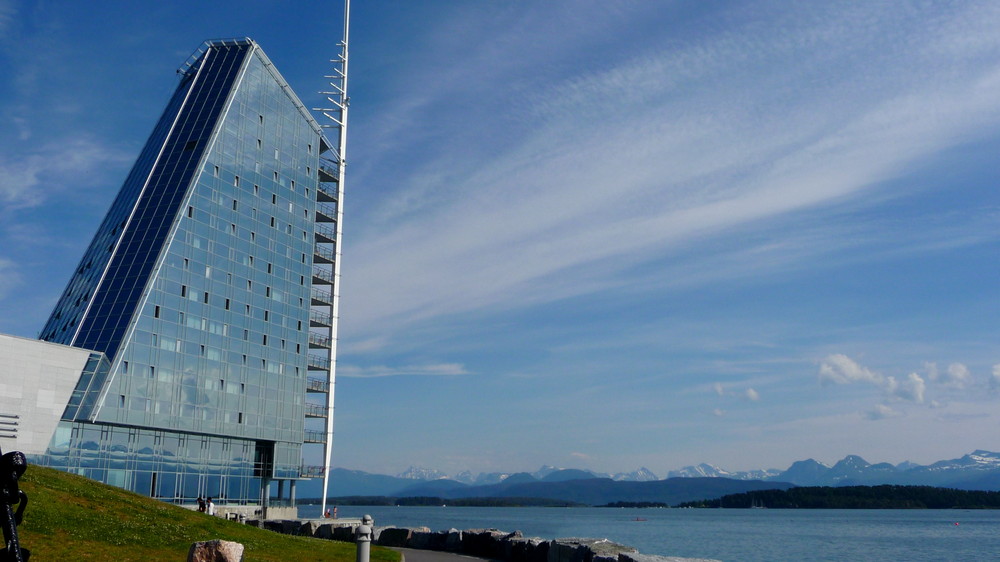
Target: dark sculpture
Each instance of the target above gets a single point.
(12, 466)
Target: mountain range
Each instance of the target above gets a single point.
(979, 470)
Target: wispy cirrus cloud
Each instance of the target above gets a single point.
(10, 277)
(657, 152)
(432, 370)
(28, 176)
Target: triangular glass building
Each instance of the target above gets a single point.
(210, 289)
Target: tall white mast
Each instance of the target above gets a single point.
(334, 161)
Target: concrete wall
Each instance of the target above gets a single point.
(36, 381)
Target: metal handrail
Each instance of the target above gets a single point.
(319, 339)
(318, 362)
(326, 231)
(326, 253)
(316, 410)
(319, 318)
(317, 384)
(324, 297)
(328, 210)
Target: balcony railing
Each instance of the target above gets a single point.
(326, 212)
(318, 341)
(323, 255)
(314, 384)
(325, 233)
(322, 298)
(318, 363)
(320, 320)
(313, 436)
(326, 193)
(311, 471)
(315, 411)
(322, 275)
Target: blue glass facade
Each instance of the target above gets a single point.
(197, 290)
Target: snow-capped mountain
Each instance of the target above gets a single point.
(978, 460)
(979, 470)
(641, 475)
(420, 473)
(705, 470)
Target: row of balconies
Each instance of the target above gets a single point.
(325, 233)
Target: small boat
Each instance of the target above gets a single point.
(639, 519)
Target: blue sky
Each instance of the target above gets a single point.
(593, 234)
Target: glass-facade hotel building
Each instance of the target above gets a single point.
(208, 297)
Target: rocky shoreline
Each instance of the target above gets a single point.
(492, 544)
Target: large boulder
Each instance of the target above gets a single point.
(586, 550)
(343, 533)
(427, 540)
(272, 525)
(309, 528)
(487, 543)
(521, 549)
(394, 536)
(215, 551)
(324, 531)
(453, 540)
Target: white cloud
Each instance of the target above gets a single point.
(718, 412)
(995, 377)
(438, 369)
(911, 389)
(367, 345)
(706, 144)
(717, 387)
(9, 277)
(27, 179)
(841, 369)
(751, 395)
(7, 14)
(881, 412)
(957, 376)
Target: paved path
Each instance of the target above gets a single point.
(415, 555)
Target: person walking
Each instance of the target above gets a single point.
(210, 506)
(201, 504)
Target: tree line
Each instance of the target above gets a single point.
(857, 497)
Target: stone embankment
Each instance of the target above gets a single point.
(482, 543)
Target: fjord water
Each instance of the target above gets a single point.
(729, 534)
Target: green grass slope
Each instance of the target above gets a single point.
(73, 518)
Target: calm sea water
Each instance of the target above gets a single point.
(750, 535)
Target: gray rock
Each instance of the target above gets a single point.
(521, 549)
(586, 550)
(324, 531)
(394, 536)
(427, 540)
(215, 551)
(487, 543)
(309, 529)
(272, 525)
(343, 533)
(453, 540)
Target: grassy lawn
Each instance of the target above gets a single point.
(73, 518)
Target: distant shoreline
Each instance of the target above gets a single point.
(804, 497)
